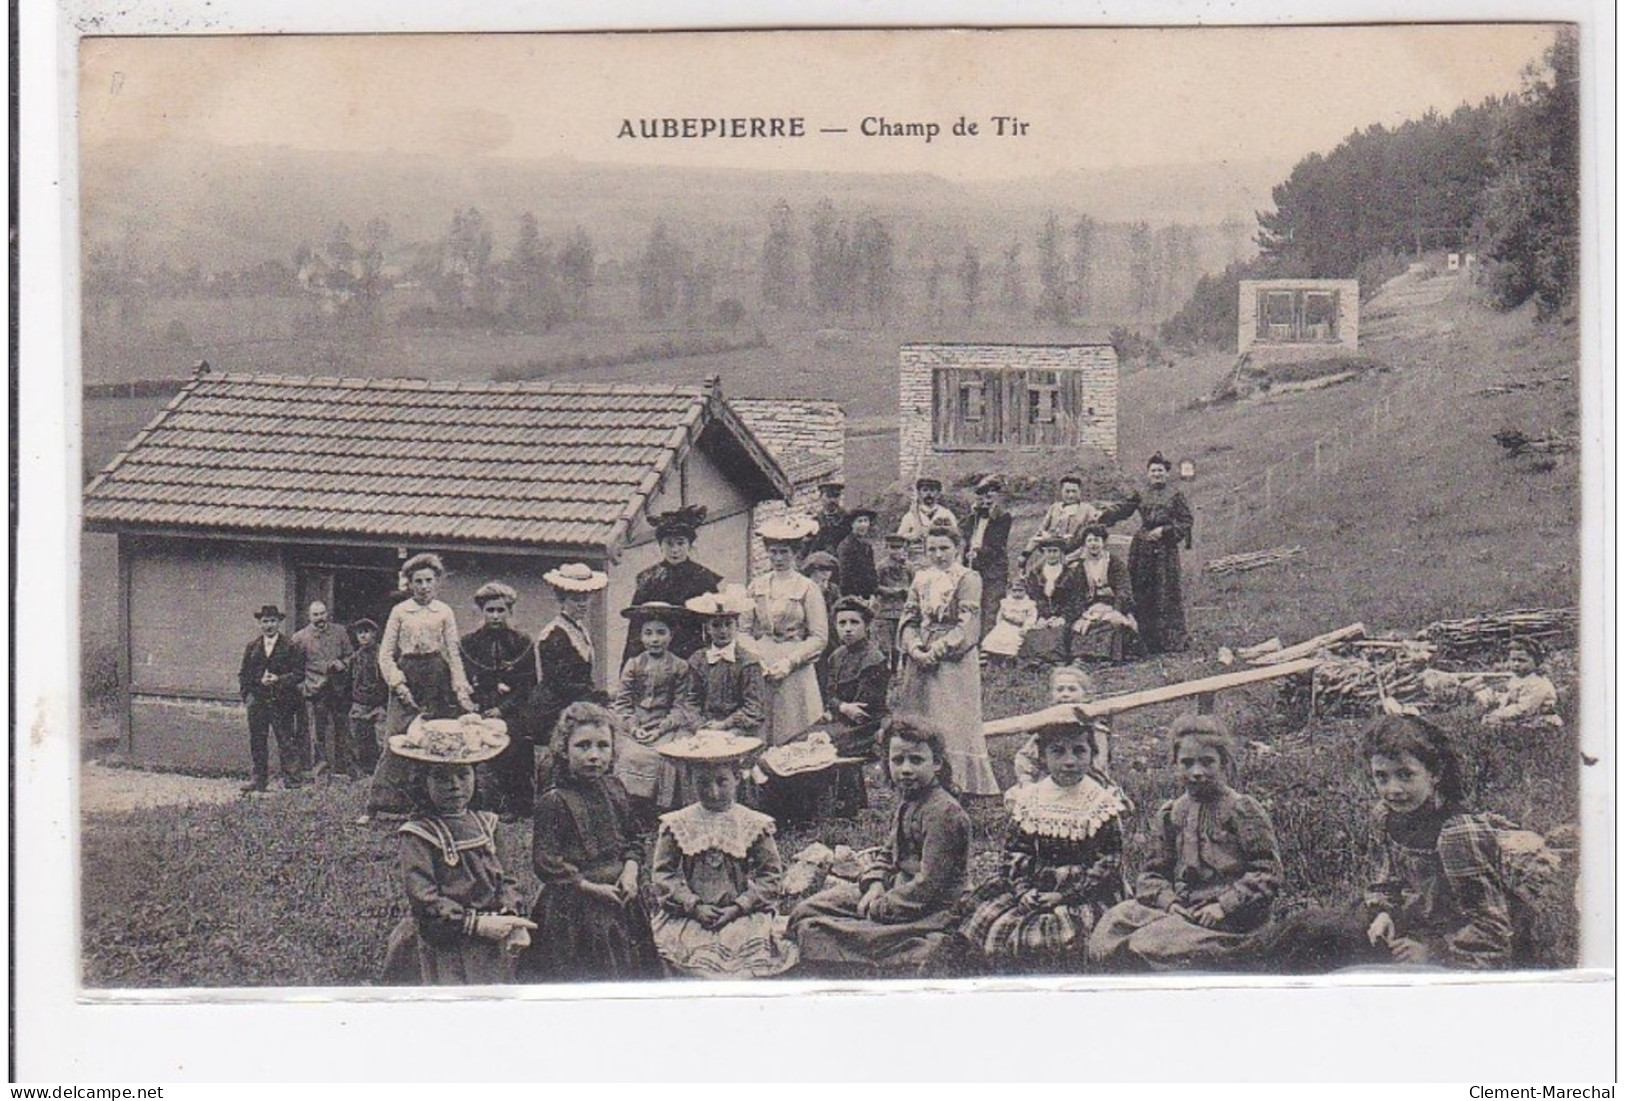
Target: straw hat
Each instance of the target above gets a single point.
(788, 529)
(654, 609)
(577, 577)
(732, 600)
(465, 741)
(710, 747)
(814, 753)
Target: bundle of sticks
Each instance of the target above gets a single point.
(1252, 560)
(1457, 637)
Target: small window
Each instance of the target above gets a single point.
(972, 401)
(1042, 402)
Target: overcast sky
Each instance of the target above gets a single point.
(1093, 99)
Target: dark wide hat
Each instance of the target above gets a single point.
(270, 610)
(680, 522)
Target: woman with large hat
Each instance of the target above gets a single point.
(789, 630)
(565, 655)
(1153, 557)
(675, 579)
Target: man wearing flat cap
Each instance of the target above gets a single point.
(675, 579)
(926, 512)
(987, 551)
(268, 680)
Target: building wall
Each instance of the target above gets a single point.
(918, 363)
(1348, 321)
(803, 427)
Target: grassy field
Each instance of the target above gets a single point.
(1418, 514)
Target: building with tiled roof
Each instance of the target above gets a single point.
(254, 489)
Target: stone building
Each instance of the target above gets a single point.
(959, 398)
(808, 440)
(1291, 320)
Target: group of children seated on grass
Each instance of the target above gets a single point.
(703, 899)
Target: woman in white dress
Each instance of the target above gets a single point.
(942, 678)
(787, 630)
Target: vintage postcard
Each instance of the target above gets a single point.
(1025, 508)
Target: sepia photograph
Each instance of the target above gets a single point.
(718, 510)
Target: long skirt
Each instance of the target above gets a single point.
(950, 695)
(1159, 601)
(648, 775)
(409, 960)
(1054, 938)
(1102, 641)
(1044, 646)
(828, 930)
(794, 703)
(580, 938)
(1135, 933)
(745, 948)
(428, 677)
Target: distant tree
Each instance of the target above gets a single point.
(1013, 282)
(536, 298)
(970, 280)
(369, 263)
(933, 287)
(663, 276)
(825, 258)
(1142, 290)
(1084, 233)
(460, 272)
(576, 271)
(874, 265)
(780, 284)
(1052, 274)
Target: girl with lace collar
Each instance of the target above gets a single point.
(717, 870)
(1063, 860)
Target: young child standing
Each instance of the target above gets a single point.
(716, 870)
(900, 913)
(649, 702)
(1068, 684)
(891, 589)
(590, 922)
(1214, 875)
(369, 696)
(1063, 860)
(1018, 614)
(466, 908)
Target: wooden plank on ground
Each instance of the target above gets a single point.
(1145, 697)
(1304, 649)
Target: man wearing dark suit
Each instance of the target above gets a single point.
(987, 545)
(268, 679)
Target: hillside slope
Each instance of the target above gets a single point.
(1418, 513)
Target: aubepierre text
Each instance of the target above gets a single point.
(1537, 1093)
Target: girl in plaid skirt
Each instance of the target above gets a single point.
(1063, 860)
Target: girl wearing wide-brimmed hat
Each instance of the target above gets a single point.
(467, 910)
(717, 870)
(565, 655)
(788, 627)
(649, 701)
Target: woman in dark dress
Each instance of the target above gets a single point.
(675, 579)
(565, 657)
(1153, 557)
(1106, 628)
(1056, 586)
